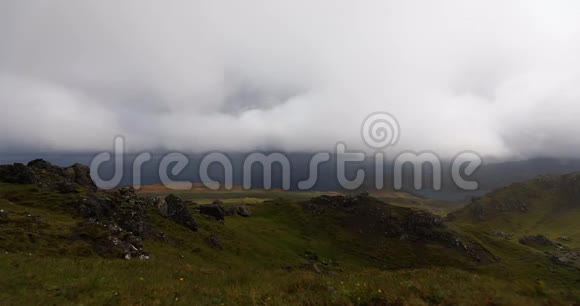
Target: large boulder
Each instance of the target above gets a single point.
(215, 211)
(176, 209)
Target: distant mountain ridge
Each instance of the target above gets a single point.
(490, 176)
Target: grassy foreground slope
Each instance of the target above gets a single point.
(328, 250)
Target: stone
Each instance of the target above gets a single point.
(215, 243)
(120, 208)
(161, 206)
(239, 210)
(177, 211)
(536, 240)
(213, 210)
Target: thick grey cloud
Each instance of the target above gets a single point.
(498, 77)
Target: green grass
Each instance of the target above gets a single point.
(265, 261)
(191, 281)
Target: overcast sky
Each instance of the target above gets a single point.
(498, 77)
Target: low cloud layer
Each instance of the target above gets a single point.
(498, 77)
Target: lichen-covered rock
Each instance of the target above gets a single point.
(116, 223)
(109, 240)
(121, 207)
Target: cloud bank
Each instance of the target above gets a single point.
(498, 77)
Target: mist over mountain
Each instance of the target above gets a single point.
(496, 77)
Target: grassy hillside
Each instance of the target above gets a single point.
(547, 205)
(291, 251)
(203, 195)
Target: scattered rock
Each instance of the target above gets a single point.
(213, 210)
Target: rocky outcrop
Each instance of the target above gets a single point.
(569, 258)
(175, 209)
(370, 217)
(110, 240)
(115, 223)
(122, 207)
(46, 175)
(218, 210)
(537, 241)
(482, 212)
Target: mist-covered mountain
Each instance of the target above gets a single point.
(490, 176)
